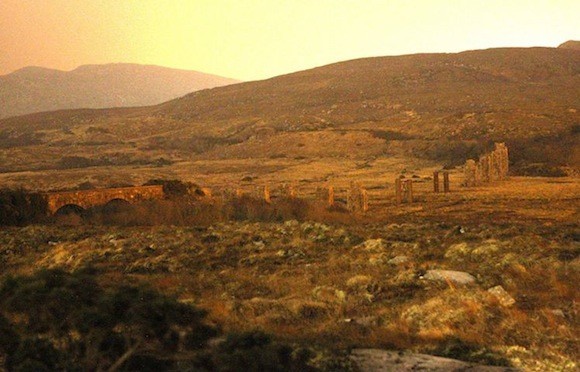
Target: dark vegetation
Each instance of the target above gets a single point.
(451, 152)
(191, 210)
(54, 320)
(20, 207)
(176, 188)
(185, 204)
(13, 138)
(117, 159)
(457, 348)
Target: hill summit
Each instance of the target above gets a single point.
(34, 89)
(570, 44)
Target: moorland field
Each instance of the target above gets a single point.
(324, 278)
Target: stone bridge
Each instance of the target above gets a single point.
(90, 198)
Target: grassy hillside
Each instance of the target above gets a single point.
(441, 107)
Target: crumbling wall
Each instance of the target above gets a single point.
(493, 166)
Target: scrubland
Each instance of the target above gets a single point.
(325, 278)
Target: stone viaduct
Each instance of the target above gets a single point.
(90, 198)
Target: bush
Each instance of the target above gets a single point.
(452, 153)
(539, 170)
(174, 188)
(19, 207)
(255, 351)
(85, 325)
(456, 348)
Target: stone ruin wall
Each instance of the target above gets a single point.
(490, 167)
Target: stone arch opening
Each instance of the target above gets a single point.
(116, 205)
(70, 209)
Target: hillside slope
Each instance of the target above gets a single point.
(444, 107)
(35, 89)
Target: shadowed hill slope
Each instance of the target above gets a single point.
(35, 89)
(438, 106)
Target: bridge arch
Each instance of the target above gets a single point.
(69, 209)
(99, 197)
(116, 205)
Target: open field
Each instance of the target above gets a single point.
(342, 281)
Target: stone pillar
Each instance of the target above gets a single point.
(267, 198)
(408, 190)
(445, 181)
(436, 182)
(291, 192)
(330, 196)
(484, 162)
(398, 190)
(503, 160)
(495, 165)
(365, 200)
(470, 169)
(353, 199)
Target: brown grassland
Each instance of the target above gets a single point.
(314, 276)
(320, 276)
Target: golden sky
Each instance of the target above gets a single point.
(256, 39)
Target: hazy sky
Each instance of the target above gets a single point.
(255, 39)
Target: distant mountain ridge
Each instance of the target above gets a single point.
(36, 89)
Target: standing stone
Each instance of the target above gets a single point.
(291, 192)
(470, 169)
(398, 190)
(267, 197)
(330, 196)
(354, 197)
(365, 200)
(435, 182)
(445, 181)
(408, 189)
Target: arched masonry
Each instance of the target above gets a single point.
(90, 198)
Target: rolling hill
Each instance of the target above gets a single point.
(36, 89)
(442, 107)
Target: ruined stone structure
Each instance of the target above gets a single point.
(290, 191)
(436, 188)
(490, 167)
(403, 190)
(325, 195)
(330, 196)
(90, 198)
(357, 198)
(267, 196)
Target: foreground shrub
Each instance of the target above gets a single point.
(254, 351)
(456, 348)
(61, 320)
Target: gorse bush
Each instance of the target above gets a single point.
(20, 207)
(54, 320)
(254, 351)
(59, 320)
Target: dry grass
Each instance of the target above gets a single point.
(330, 282)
